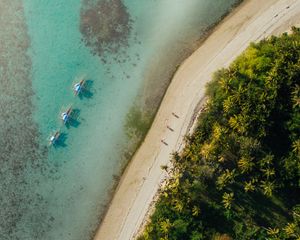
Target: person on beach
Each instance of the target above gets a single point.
(175, 115)
(171, 129)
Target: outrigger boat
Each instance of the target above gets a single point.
(65, 116)
(54, 138)
(78, 87)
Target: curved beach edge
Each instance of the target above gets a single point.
(252, 21)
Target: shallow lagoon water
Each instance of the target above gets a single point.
(69, 185)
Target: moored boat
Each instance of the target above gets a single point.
(54, 138)
(65, 116)
(78, 87)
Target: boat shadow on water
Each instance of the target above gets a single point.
(73, 120)
(87, 90)
(61, 141)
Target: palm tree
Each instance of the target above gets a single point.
(146, 235)
(239, 123)
(269, 172)
(225, 83)
(267, 161)
(249, 146)
(296, 146)
(233, 122)
(249, 186)
(267, 187)
(195, 211)
(245, 164)
(225, 178)
(272, 231)
(217, 131)
(239, 93)
(296, 96)
(165, 226)
(207, 149)
(228, 104)
(178, 205)
(227, 200)
(290, 229)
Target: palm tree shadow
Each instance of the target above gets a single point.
(61, 141)
(73, 121)
(86, 90)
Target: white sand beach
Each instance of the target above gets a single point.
(252, 21)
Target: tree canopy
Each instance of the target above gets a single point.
(239, 175)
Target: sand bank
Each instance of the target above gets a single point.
(251, 21)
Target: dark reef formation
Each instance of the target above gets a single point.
(105, 25)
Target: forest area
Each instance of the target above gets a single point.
(238, 176)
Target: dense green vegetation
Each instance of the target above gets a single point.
(239, 174)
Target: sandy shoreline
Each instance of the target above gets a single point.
(251, 21)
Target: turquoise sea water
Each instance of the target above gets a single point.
(61, 192)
